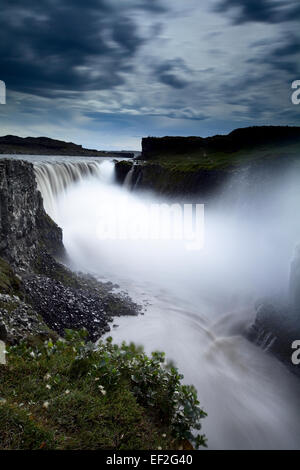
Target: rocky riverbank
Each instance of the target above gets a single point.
(39, 296)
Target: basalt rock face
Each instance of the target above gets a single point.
(24, 225)
(274, 330)
(196, 166)
(171, 182)
(276, 326)
(122, 168)
(199, 166)
(177, 183)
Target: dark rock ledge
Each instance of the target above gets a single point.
(277, 324)
(39, 296)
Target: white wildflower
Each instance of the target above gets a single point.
(102, 390)
(67, 392)
(164, 435)
(46, 404)
(47, 377)
(32, 354)
(48, 386)
(159, 448)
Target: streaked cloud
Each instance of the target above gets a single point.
(104, 71)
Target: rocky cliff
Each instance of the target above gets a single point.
(196, 166)
(171, 181)
(39, 296)
(25, 227)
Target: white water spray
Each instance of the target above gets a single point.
(198, 305)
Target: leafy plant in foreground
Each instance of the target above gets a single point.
(100, 396)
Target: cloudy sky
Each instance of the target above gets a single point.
(105, 73)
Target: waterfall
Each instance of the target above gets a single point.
(54, 178)
(198, 304)
(128, 179)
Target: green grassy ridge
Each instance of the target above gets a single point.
(69, 395)
(195, 161)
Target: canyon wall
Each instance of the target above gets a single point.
(24, 225)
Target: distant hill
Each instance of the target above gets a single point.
(15, 145)
(239, 139)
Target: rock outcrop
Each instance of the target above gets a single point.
(196, 166)
(276, 326)
(25, 227)
(174, 182)
(122, 168)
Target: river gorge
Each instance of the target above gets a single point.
(197, 305)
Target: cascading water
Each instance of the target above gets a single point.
(197, 303)
(54, 178)
(128, 179)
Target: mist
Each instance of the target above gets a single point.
(198, 304)
(250, 235)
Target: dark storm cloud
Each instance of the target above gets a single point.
(68, 45)
(263, 11)
(170, 73)
(172, 80)
(281, 58)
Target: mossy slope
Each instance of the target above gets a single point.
(68, 395)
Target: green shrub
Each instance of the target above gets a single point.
(86, 397)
